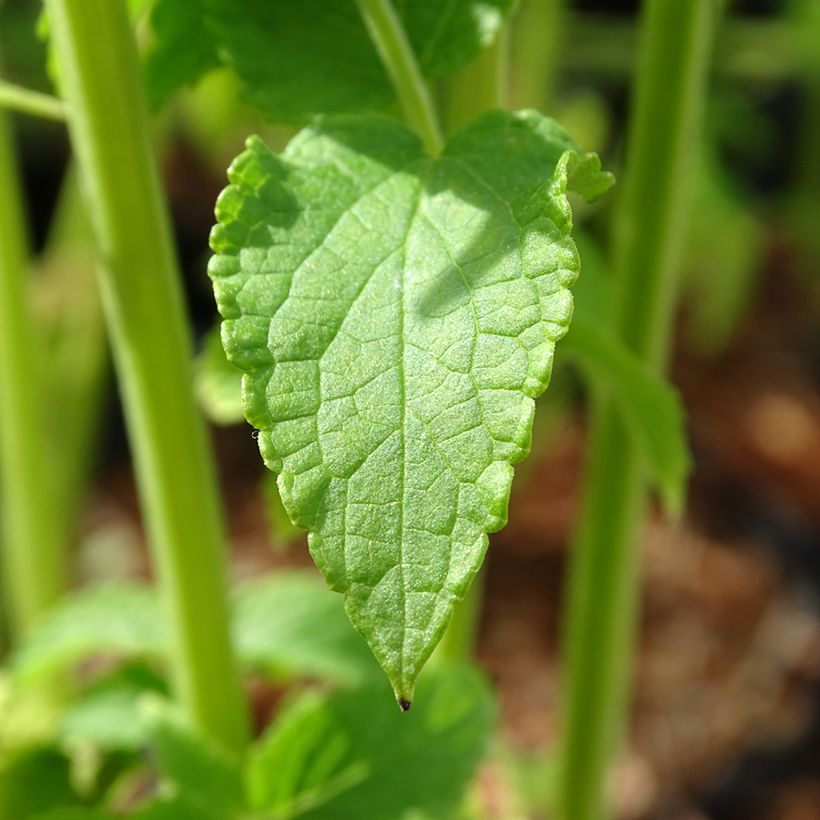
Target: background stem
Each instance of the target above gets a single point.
(77, 364)
(480, 85)
(391, 42)
(538, 29)
(147, 325)
(34, 555)
(31, 102)
(604, 573)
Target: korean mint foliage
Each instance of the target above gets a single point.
(330, 291)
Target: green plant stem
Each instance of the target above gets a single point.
(391, 42)
(538, 30)
(480, 85)
(604, 573)
(31, 102)
(33, 555)
(146, 321)
(757, 50)
(78, 364)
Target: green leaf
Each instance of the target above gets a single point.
(34, 782)
(183, 48)
(396, 315)
(105, 716)
(198, 771)
(288, 625)
(353, 754)
(173, 808)
(300, 59)
(218, 383)
(120, 619)
(76, 814)
(724, 249)
(281, 528)
(649, 405)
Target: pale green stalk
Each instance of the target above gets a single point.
(650, 217)
(31, 102)
(147, 325)
(33, 555)
(537, 37)
(480, 85)
(77, 362)
(391, 42)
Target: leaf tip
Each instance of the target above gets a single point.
(404, 704)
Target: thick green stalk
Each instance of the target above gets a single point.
(147, 325)
(391, 42)
(33, 553)
(604, 573)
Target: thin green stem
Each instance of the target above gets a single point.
(31, 102)
(33, 552)
(394, 48)
(603, 590)
(146, 320)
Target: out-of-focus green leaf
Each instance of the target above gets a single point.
(106, 715)
(182, 50)
(218, 383)
(289, 624)
(196, 769)
(282, 529)
(35, 782)
(724, 248)
(649, 405)
(75, 814)
(396, 316)
(353, 754)
(300, 59)
(117, 618)
(175, 808)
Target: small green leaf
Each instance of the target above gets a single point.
(300, 59)
(121, 619)
(196, 769)
(288, 625)
(353, 754)
(396, 315)
(218, 383)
